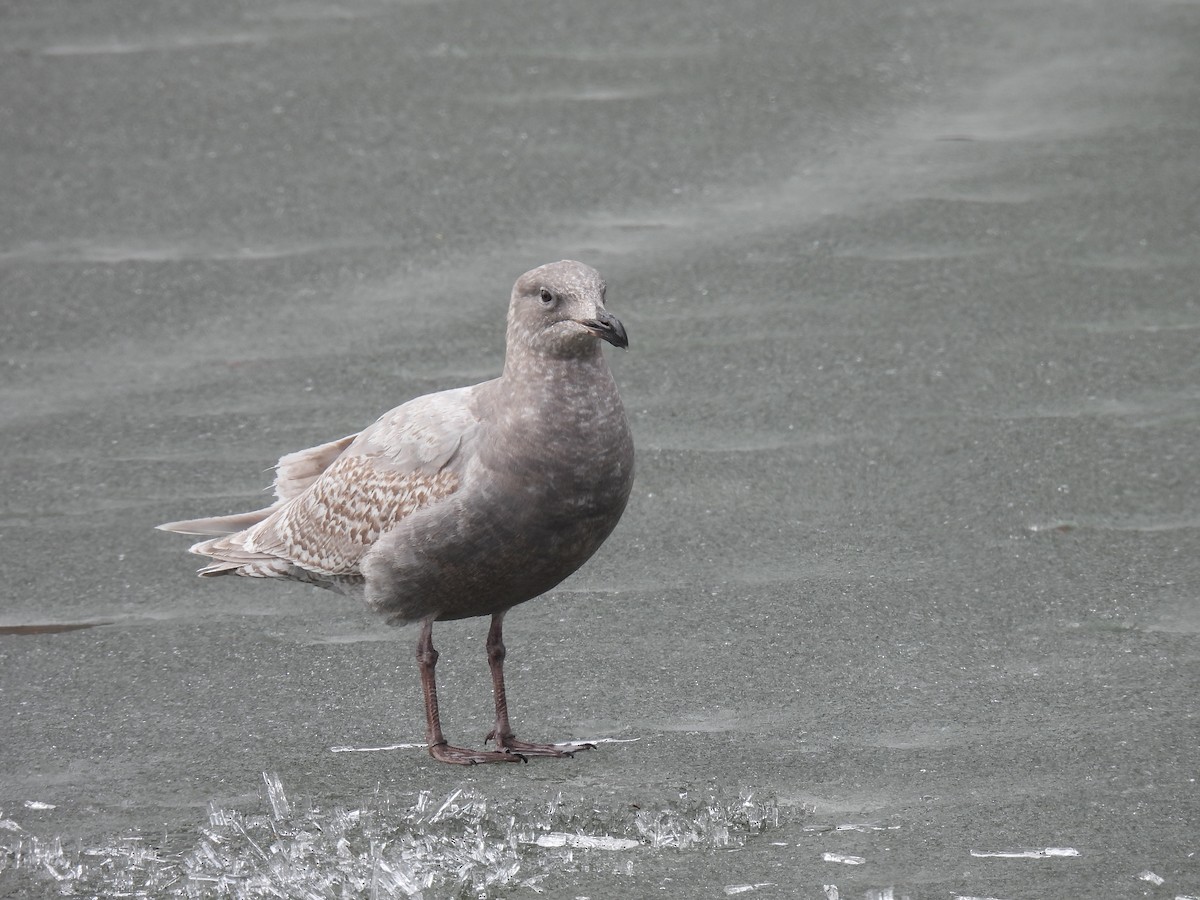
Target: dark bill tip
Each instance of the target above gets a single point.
(608, 327)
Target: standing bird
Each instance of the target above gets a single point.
(464, 502)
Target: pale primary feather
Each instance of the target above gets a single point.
(293, 474)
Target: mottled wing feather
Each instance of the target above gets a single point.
(409, 458)
(329, 527)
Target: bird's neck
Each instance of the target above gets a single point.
(545, 396)
(526, 368)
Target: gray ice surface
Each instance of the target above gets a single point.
(905, 599)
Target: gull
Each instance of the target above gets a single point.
(460, 503)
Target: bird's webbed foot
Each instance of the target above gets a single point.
(461, 756)
(510, 744)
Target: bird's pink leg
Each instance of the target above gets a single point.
(439, 747)
(501, 732)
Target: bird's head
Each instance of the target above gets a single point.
(558, 310)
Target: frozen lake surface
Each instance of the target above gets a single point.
(904, 603)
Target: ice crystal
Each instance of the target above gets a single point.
(461, 845)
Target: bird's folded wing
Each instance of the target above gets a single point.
(411, 457)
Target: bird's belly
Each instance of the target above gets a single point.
(507, 547)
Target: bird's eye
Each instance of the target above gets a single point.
(547, 296)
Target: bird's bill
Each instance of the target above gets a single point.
(607, 327)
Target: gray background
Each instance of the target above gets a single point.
(911, 295)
